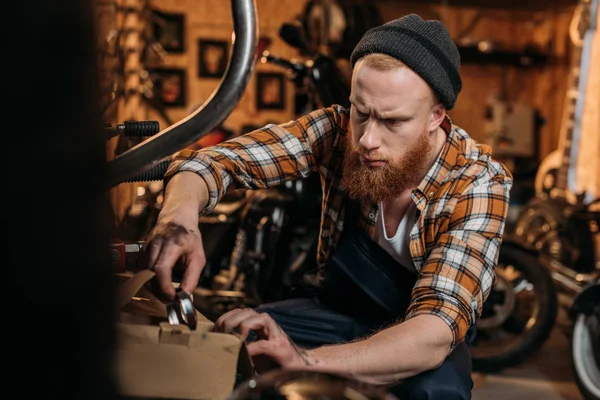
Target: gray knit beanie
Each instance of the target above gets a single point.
(424, 46)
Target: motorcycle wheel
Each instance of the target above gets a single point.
(518, 315)
(585, 355)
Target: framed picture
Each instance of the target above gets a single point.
(213, 56)
(169, 86)
(270, 91)
(169, 31)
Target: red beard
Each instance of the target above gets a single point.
(375, 184)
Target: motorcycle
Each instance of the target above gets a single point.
(254, 241)
(584, 343)
(319, 81)
(566, 238)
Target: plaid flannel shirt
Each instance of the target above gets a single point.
(462, 203)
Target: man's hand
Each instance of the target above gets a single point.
(176, 237)
(168, 243)
(271, 342)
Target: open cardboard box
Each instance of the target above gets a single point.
(156, 359)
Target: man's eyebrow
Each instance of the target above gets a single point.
(393, 116)
(355, 101)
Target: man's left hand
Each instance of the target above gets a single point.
(270, 340)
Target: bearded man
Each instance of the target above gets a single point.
(413, 216)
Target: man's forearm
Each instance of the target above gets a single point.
(416, 345)
(186, 195)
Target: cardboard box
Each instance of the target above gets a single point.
(156, 359)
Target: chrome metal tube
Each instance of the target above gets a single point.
(566, 278)
(221, 103)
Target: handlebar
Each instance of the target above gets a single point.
(323, 75)
(295, 67)
(216, 108)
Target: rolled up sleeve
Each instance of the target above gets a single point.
(459, 272)
(263, 158)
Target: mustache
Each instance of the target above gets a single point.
(361, 151)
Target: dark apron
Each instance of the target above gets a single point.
(362, 280)
(362, 289)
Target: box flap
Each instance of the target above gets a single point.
(156, 359)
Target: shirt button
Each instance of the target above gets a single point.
(371, 216)
(431, 193)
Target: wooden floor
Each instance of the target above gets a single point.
(546, 376)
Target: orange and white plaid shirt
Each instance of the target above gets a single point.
(462, 203)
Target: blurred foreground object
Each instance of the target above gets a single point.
(306, 385)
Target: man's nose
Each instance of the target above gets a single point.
(370, 138)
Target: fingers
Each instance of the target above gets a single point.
(163, 267)
(245, 320)
(261, 347)
(167, 244)
(271, 342)
(263, 324)
(231, 319)
(150, 252)
(191, 275)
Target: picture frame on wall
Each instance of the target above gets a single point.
(213, 56)
(270, 91)
(169, 30)
(169, 86)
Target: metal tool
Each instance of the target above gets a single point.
(182, 310)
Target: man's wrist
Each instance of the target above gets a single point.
(310, 359)
(186, 195)
(304, 360)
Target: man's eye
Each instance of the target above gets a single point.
(394, 122)
(361, 115)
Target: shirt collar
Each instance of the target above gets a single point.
(449, 156)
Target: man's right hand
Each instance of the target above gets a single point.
(176, 236)
(168, 243)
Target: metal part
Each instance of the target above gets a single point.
(584, 352)
(566, 278)
(182, 311)
(225, 279)
(587, 300)
(538, 228)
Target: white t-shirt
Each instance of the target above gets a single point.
(397, 246)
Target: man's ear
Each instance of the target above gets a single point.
(438, 112)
